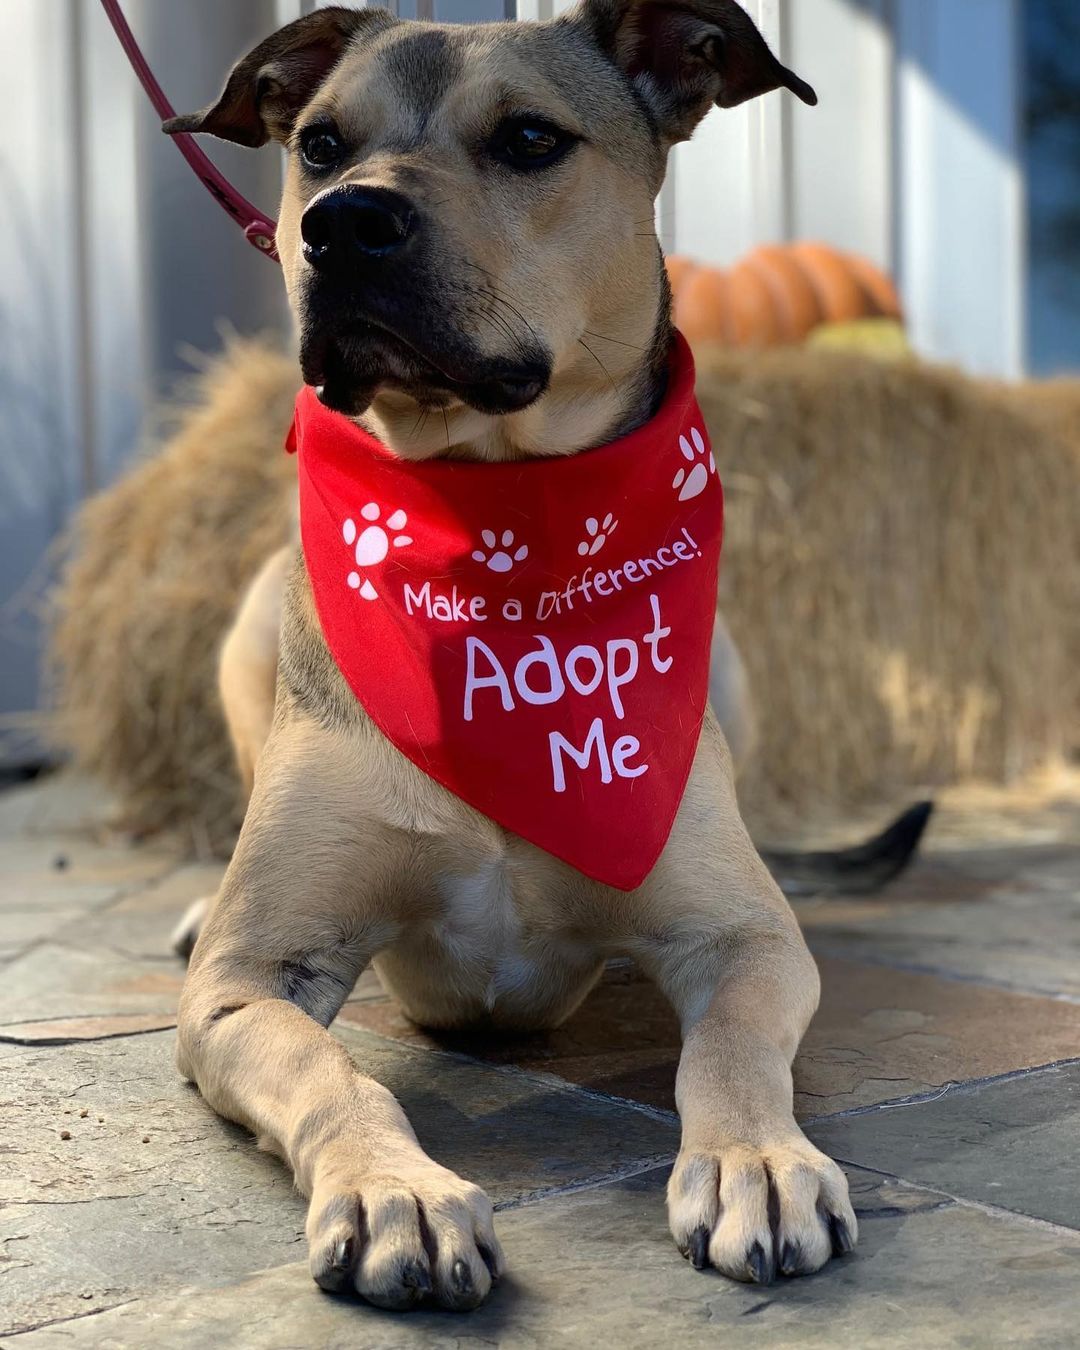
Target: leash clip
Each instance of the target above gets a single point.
(260, 233)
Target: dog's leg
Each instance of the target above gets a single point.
(729, 694)
(311, 894)
(749, 1193)
(247, 676)
(247, 670)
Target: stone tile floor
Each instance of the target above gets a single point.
(943, 1070)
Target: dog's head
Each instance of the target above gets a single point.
(468, 210)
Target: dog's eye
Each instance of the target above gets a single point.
(321, 147)
(530, 142)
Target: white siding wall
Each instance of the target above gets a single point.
(70, 374)
(960, 191)
(839, 160)
(725, 189)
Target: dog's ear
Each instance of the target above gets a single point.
(266, 90)
(682, 56)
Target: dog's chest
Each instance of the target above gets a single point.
(480, 929)
(497, 937)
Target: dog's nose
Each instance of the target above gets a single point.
(352, 222)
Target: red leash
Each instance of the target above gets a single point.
(258, 228)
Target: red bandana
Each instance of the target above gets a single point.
(534, 636)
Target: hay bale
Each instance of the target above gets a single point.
(901, 570)
(156, 566)
(1054, 404)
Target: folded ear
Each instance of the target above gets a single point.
(267, 89)
(685, 55)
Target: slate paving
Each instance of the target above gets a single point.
(1011, 1143)
(942, 1070)
(593, 1269)
(1005, 916)
(879, 1034)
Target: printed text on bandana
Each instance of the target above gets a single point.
(540, 677)
(602, 671)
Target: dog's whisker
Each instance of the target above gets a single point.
(599, 363)
(502, 299)
(497, 322)
(618, 341)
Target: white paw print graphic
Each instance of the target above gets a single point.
(598, 531)
(372, 543)
(693, 478)
(499, 558)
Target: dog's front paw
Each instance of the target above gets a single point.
(754, 1213)
(404, 1236)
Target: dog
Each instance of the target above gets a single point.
(467, 239)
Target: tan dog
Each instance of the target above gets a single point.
(468, 244)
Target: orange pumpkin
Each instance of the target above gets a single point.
(878, 285)
(755, 319)
(796, 301)
(702, 310)
(777, 294)
(838, 290)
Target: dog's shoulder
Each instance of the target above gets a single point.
(308, 678)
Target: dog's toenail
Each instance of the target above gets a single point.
(461, 1277)
(842, 1241)
(790, 1258)
(699, 1248)
(488, 1257)
(414, 1276)
(759, 1265)
(343, 1255)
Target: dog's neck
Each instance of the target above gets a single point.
(606, 388)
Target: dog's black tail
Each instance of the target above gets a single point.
(848, 871)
